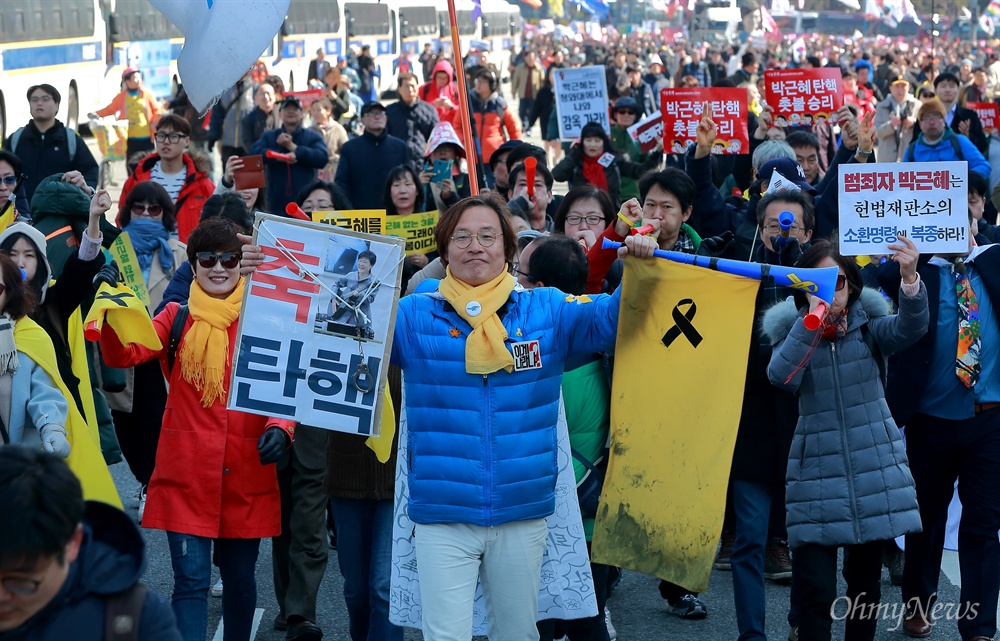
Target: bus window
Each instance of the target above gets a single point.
(417, 21)
(466, 25)
(366, 19)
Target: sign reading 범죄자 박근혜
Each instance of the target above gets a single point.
(803, 97)
(581, 97)
(926, 201)
(316, 325)
(681, 109)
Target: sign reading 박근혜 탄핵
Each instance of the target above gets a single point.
(316, 325)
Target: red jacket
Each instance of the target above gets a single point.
(429, 92)
(490, 118)
(208, 479)
(197, 188)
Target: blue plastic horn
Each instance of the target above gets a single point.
(820, 282)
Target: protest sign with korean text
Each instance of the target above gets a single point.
(925, 201)
(681, 111)
(316, 325)
(581, 97)
(416, 229)
(365, 221)
(647, 132)
(989, 115)
(804, 96)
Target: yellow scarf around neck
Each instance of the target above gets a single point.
(205, 349)
(485, 351)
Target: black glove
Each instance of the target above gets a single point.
(720, 246)
(788, 252)
(108, 274)
(272, 445)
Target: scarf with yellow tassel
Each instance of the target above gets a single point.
(205, 350)
(485, 351)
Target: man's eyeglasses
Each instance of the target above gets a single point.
(628, 112)
(927, 117)
(229, 260)
(528, 277)
(138, 209)
(20, 587)
(591, 220)
(841, 282)
(174, 138)
(774, 228)
(485, 239)
(10, 181)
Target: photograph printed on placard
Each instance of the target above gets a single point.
(350, 301)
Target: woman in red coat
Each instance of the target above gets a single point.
(213, 478)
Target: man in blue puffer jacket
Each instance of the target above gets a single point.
(482, 364)
(938, 142)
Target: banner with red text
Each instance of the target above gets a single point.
(925, 201)
(316, 325)
(681, 111)
(647, 131)
(989, 115)
(803, 96)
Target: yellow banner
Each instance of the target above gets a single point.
(128, 265)
(366, 221)
(683, 338)
(120, 308)
(416, 229)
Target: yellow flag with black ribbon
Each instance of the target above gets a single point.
(120, 308)
(680, 364)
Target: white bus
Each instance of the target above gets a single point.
(63, 43)
(310, 25)
(418, 26)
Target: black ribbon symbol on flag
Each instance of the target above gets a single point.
(118, 299)
(682, 324)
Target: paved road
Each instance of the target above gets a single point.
(638, 612)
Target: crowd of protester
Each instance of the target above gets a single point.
(819, 463)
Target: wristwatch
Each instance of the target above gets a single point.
(863, 154)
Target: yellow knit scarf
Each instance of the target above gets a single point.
(205, 350)
(485, 351)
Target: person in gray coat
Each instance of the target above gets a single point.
(848, 483)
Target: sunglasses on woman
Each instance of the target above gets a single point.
(841, 282)
(229, 260)
(139, 209)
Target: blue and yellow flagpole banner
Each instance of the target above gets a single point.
(680, 364)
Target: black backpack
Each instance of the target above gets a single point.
(123, 612)
(176, 330)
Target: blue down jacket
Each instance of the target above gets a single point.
(848, 480)
(483, 448)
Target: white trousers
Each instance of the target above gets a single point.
(506, 558)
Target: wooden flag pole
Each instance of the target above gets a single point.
(463, 102)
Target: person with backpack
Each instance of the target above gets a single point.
(70, 568)
(46, 146)
(847, 464)
(208, 455)
(937, 141)
(491, 117)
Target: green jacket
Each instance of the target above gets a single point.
(623, 144)
(587, 399)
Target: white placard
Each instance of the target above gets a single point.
(925, 201)
(313, 318)
(581, 97)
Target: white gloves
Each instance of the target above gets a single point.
(54, 439)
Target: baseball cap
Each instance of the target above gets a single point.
(128, 72)
(291, 101)
(372, 105)
(502, 149)
(789, 169)
(899, 80)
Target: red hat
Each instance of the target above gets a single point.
(128, 72)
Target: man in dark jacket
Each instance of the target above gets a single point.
(948, 401)
(45, 148)
(65, 564)
(253, 125)
(411, 119)
(366, 161)
(304, 151)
